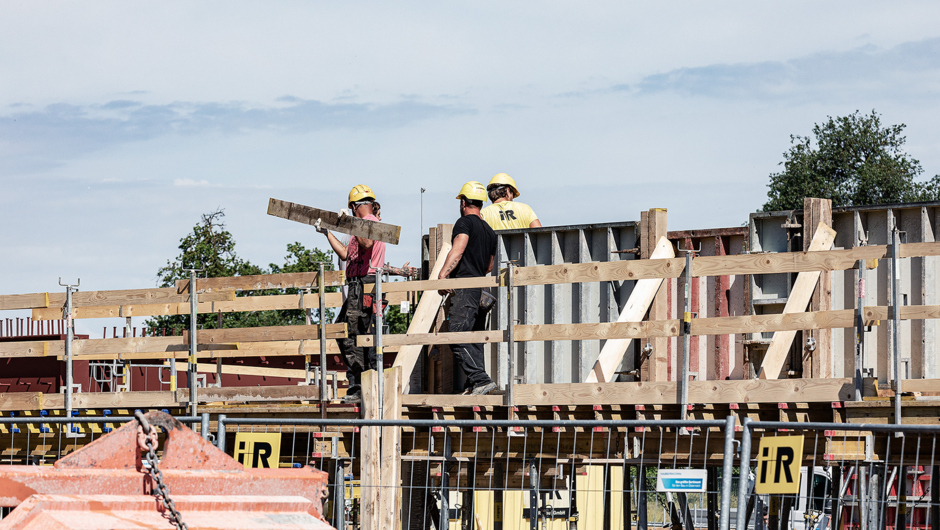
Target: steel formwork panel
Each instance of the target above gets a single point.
(860, 226)
(560, 361)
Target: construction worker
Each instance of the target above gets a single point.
(505, 213)
(473, 248)
(363, 258)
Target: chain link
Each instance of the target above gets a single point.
(162, 491)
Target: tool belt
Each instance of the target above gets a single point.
(368, 299)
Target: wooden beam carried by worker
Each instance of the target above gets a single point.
(346, 224)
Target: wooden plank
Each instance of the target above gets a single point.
(434, 285)
(427, 339)
(390, 500)
(818, 363)
(266, 333)
(20, 400)
(292, 280)
(346, 224)
(236, 305)
(927, 386)
(159, 348)
(370, 451)
(98, 298)
(640, 299)
(797, 301)
(107, 400)
(665, 392)
(843, 318)
(252, 393)
(451, 400)
(421, 323)
(237, 369)
(597, 271)
(658, 362)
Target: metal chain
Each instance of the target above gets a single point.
(161, 488)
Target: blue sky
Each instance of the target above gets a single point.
(121, 124)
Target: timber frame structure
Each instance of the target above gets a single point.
(753, 353)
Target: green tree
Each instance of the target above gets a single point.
(854, 161)
(211, 247)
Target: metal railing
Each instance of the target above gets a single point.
(851, 476)
(503, 474)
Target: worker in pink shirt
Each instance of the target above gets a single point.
(363, 258)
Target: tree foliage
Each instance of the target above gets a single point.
(211, 247)
(854, 161)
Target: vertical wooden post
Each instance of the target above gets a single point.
(653, 227)
(370, 453)
(819, 362)
(390, 499)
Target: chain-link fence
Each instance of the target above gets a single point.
(840, 476)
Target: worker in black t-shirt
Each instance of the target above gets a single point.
(473, 248)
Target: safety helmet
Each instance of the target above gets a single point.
(502, 179)
(473, 191)
(360, 192)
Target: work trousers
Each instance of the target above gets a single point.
(466, 315)
(358, 322)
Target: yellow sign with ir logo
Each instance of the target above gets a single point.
(253, 449)
(778, 464)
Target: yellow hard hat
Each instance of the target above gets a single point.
(359, 192)
(473, 191)
(502, 179)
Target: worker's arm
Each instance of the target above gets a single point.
(453, 258)
(490, 268)
(365, 243)
(535, 224)
(338, 246)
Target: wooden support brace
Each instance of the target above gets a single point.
(796, 303)
(818, 363)
(639, 302)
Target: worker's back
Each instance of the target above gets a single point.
(508, 215)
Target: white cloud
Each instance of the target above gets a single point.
(188, 183)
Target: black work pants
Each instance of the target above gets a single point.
(466, 315)
(358, 322)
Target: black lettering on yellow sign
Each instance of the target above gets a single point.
(778, 464)
(498, 512)
(258, 450)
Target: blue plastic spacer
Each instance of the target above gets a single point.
(106, 412)
(165, 411)
(43, 413)
(297, 465)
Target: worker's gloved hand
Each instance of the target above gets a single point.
(344, 212)
(318, 228)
